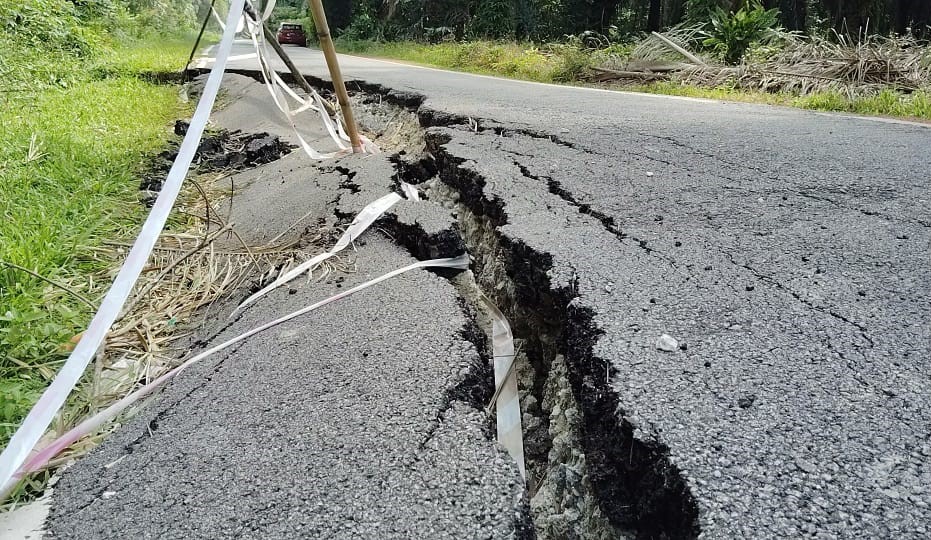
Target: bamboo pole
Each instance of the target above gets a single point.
(329, 52)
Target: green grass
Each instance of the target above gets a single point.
(916, 105)
(554, 63)
(71, 147)
(565, 63)
(139, 58)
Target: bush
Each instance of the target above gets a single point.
(732, 34)
(573, 62)
(285, 14)
(700, 12)
(364, 23)
(51, 25)
(493, 19)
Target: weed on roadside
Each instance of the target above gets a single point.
(70, 158)
(77, 120)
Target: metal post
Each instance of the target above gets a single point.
(199, 36)
(329, 52)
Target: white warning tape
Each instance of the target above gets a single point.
(507, 402)
(362, 221)
(257, 35)
(269, 7)
(91, 425)
(275, 86)
(41, 415)
(410, 191)
(240, 24)
(249, 56)
(314, 102)
(219, 19)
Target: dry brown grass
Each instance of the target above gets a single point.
(808, 65)
(798, 65)
(187, 273)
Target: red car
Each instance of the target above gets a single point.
(292, 33)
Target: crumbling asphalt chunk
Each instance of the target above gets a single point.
(427, 228)
(217, 150)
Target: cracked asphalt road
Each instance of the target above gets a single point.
(358, 420)
(338, 425)
(788, 251)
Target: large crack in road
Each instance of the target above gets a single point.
(792, 406)
(811, 469)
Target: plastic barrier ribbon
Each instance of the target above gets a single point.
(274, 84)
(507, 402)
(362, 221)
(410, 191)
(314, 102)
(94, 423)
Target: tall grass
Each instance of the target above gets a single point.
(558, 62)
(74, 133)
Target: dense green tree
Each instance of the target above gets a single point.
(493, 19)
(554, 19)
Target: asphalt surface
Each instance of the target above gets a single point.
(358, 420)
(788, 253)
(335, 425)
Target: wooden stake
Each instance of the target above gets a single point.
(329, 52)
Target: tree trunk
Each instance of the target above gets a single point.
(794, 14)
(672, 12)
(655, 17)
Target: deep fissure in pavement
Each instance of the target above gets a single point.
(588, 476)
